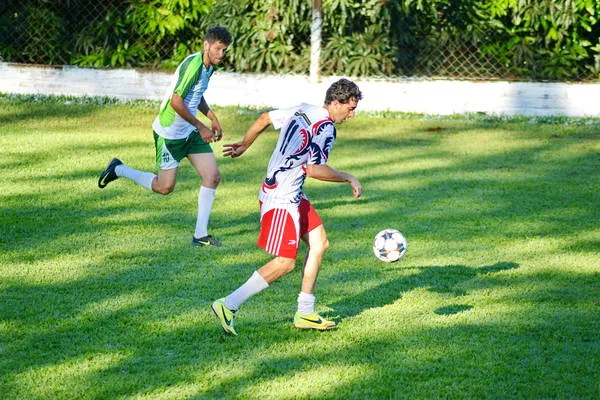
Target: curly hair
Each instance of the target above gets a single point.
(343, 91)
(218, 34)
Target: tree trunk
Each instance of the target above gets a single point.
(315, 40)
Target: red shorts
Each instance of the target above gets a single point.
(282, 228)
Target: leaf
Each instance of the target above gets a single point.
(163, 11)
(552, 34)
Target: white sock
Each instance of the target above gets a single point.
(306, 303)
(142, 178)
(206, 198)
(253, 285)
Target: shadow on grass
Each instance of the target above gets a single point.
(131, 313)
(441, 279)
(150, 307)
(452, 309)
(152, 355)
(50, 109)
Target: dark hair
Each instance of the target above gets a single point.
(343, 91)
(218, 34)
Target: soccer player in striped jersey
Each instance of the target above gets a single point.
(178, 134)
(307, 134)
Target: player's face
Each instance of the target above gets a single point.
(341, 112)
(214, 52)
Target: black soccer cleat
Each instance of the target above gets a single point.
(109, 175)
(204, 241)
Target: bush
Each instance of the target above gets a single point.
(514, 39)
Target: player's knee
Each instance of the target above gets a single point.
(211, 180)
(285, 265)
(164, 189)
(320, 246)
(216, 179)
(289, 268)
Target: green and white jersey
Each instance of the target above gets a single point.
(190, 81)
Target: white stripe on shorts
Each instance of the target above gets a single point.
(276, 232)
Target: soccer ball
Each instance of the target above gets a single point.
(389, 245)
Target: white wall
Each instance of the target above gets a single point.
(419, 96)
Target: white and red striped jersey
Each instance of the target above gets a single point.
(306, 138)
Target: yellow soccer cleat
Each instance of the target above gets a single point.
(312, 321)
(224, 315)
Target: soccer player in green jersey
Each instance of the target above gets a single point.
(178, 133)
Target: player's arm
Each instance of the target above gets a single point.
(234, 150)
(215, 124)
(180, 108)
(324, 172)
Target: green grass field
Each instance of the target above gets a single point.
(103, 297)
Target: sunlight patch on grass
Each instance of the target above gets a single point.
(181, 321)
(113, 305)
(54, 270)
(66, 379)
(9, 329)
(569, 151)
(574, 263)
(177, 392)
(485, 143)
(125, 217)
(409, 310)
(316, 382)
(532, 246)
(420, 165)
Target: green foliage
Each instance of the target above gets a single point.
(269, 36)
(547, 39)
(356, 37)
(42, 41)
(142, 33)
(553, 40)
(274, 36)
(358, 54)
(515, 39)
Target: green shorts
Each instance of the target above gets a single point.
(169, 152)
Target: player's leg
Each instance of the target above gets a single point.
(226, 307)
(259, 280)
(205, 165)
(116, 169)
(315, 237)
(164, 183)
(276, 268)
(313, 234)
(168, 154)
(279, 237)
(318, 244)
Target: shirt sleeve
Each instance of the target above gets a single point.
(280, 116)
(188, 74)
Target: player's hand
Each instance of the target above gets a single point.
(234, 150)
(356, 188)
(216, 129)
(207, 135)
(217, 135)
